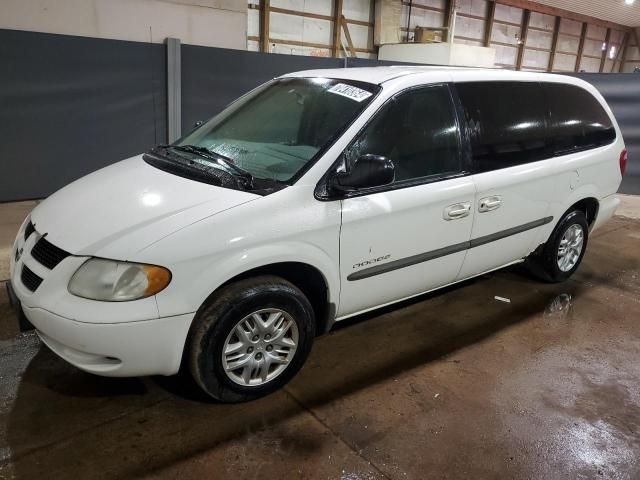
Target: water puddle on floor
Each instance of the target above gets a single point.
(559, 307)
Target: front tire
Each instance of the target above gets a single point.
(250, 338)
(561, 256)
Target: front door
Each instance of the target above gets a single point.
(411, 236)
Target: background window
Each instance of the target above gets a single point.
(507, 123)
(417, 130)
(578, 121)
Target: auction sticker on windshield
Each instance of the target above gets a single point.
(349, 91)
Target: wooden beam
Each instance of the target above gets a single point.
(424, 7)
(265, 6)
(635, 37)
(621, 51)
(348, 37)
(468, 15)
(336, 43)
(450, 8)
(583, 35)
(559, 12)
(538, 29)
(524, 30)
(316, 16)
(554, 44)
(603, 58)
(297, 43)
(488, 25)
(506, 22)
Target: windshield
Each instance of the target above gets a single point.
(279, 129)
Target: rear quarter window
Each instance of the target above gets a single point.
(578, 120)
(507, 123)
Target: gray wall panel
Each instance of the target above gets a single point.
(71, 105)
(622, 92)
(214, 77)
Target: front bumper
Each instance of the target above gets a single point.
(119, 339)
(23, 322)
(130, 349)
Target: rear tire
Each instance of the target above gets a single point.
(263, 326)
(562, 254)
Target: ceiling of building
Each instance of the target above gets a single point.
(612, 10)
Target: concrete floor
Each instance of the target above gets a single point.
(453, 385)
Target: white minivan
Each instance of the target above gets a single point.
(315, 197)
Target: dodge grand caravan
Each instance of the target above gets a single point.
(315, 197)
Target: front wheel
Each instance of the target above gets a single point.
(251, 338)
(563, 252)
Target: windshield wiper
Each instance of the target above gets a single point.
(208, 154)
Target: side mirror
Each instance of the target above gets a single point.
(367, 171)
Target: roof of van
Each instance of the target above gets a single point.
(379, 75)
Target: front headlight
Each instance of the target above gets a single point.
(112, 281)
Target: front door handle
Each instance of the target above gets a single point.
(487, 204)
(456, 211)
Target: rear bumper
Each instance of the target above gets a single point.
(606, 209)
(152, 347)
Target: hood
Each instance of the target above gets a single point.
(125, 207)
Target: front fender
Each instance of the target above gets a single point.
(188, 291)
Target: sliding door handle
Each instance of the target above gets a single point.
(456, 211)
(487, 204)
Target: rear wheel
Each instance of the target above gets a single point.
(561, 256)
(251, 338)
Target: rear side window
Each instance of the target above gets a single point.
(578, 121)
(507, 123)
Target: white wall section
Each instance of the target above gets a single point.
(213, 23)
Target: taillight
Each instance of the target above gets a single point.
(623, 161)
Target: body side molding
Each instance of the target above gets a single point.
(449, 250)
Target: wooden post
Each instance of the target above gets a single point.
(347, 35)
(450, 7)
(554, 44)
(524, 29)
(583, 35)
(636, 40)
(603, 58)
(265, 6)
(623, 47)
(337, 27)
(635, 36)
(488, 26)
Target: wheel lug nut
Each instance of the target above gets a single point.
(269, 348)
(250, 349)
(267, 336)
(255, 338)
(258, 356)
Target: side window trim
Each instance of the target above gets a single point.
(464, 160)
(464, 131)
